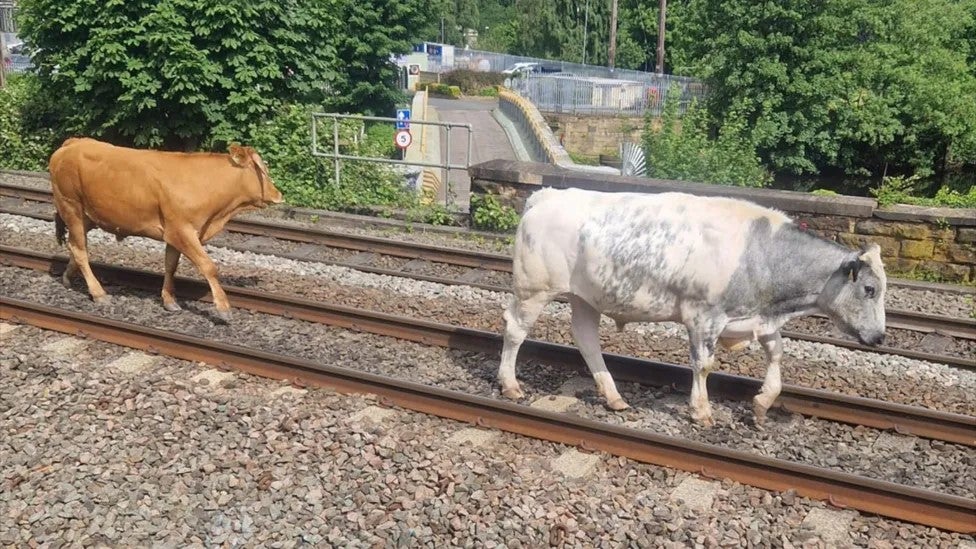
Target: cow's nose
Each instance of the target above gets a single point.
(878, 339)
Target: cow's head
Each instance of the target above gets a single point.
(249, 159)
(854, 296)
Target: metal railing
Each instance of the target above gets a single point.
(336, 154)
(589, 95)
(487, 61)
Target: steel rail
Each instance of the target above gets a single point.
(874, 413)
(30, 193)
(955, 326)
(334, 239)
(906, 320)
(841, 489)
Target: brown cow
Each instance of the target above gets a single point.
(182, 199)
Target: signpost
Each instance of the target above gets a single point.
(403, 119)
(402, 139)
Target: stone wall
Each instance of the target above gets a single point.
(594, 135)
(934, 240)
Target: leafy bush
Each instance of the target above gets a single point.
(488, 92)
(683, 149)
(443, 90)
(185, 74)
(849, 85)
(23, 148)
(904, 190)
(471, 81)
(284, 143)
(488, 214)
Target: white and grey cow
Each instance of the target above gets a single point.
(729, 270)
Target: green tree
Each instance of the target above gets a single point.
(858, 86)
(683, 148)
(176, 73)
(372, 31)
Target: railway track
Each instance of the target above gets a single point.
(478, 266)
(842, 489)
(873, 413)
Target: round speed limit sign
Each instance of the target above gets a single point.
(403, 139)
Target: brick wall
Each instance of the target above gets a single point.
(934, 240)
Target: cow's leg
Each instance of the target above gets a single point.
(189, 243)
(519, 318)
(702, 349)
(78, 246)
(169, 292)
(586, 334)
(69, 271)
(773, 345)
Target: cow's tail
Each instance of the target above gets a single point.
(60, 229)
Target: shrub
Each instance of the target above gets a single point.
(904, 190)
(24, 148)
(470, 81)
(444, 90)
(284, 143)
(689, 153)
(488, 214)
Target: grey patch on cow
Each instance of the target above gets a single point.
(780, 273)
(789, 272)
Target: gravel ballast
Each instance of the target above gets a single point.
(96, 456)
(926, 464)
(891, 378)
(927, 301)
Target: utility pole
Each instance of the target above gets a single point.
(662, 8)
(586, 16)
(613, 32)
(3, 61)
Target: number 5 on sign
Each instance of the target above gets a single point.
(403, 139)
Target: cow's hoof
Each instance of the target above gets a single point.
(704, 419)
(759, 411)
(224, 316)
(513, 393)
(102, 300)
(172, 307)
(617, 404)
(66, 282)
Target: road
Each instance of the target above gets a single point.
(488, 140)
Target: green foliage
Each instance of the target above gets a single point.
(904, 190)
(823, 192)
(444, 90)
(22, 148)
(684, 149)
(488, 92)
(846, 85)
(372, 30)
(471, 81)
(583, 159)
(490, 215)
(285, 144)
(178, 73)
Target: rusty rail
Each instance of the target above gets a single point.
(874, 413)
(953, 327)
(884, 498)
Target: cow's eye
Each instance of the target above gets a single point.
(869, 291)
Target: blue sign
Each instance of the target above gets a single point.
(403, 119)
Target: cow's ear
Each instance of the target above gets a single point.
(238, 156)
(852, 268)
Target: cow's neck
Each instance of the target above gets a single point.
(800, 271)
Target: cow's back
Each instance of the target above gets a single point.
(629, 252)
